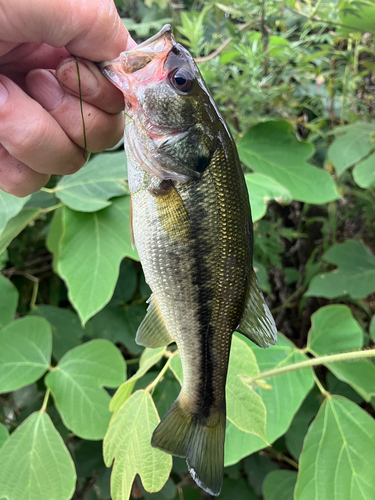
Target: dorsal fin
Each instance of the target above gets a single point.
(257, 323)
(152, 332)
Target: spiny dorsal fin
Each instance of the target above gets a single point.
(152, 332)
(257, 323)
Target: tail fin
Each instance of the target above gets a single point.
(200, 441)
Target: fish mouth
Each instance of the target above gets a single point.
(149, 56)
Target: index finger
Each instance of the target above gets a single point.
(91, 29)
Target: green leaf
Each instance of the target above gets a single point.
(100, 239)
(118, 325)
(364, 172)
(279, 485)
(298, 429)
(25, 352)
(55, 236)
(89, 189)
(77, 386)
(4, 434)
(245, 408)
(262, 189)
(65, 325)
(354, 276)
(148, 359)
(337, 457)
(35, 463)
(351, 147)
(128, 444)
(237, 489)
(334, 330)
(257, 466)
(16, 225)
(10, 206)
(8, 300)
(372, 328)
(282, 400)
(272, 149)
(358, 16)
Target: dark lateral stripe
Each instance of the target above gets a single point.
(203, 279)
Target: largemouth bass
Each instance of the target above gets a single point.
(193, 230)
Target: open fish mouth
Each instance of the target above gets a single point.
(124, 71)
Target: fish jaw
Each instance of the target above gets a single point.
(141, 65)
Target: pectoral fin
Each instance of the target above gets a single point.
(257, 323)
(152, 332)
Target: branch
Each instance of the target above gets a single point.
(224, 44)
(321, 360)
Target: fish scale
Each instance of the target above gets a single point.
(193, 230)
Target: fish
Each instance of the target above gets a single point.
(191, 224)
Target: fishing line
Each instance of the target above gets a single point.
(85, 152)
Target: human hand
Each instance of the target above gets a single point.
(41, 130)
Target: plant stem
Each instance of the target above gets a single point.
(320, 386)
(45, 400)
(322, 360)
(290, 299)
(153, 384)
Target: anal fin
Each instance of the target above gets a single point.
(257, 323)
(152, 332)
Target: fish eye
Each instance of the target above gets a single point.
(182, 79)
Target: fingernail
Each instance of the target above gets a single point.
(46, 89)
(67, 75)
(4, 94)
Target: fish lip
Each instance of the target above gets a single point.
(119, 71)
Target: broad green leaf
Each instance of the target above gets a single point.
(334, 330)
(339, 388)
(358, 16)
(354, 276)
(261, 190)
(272, 149)
(77, 386)
(10, 206)
(351, 147)
(42, 199)
(91, 250)
(4, 257)
(282, 400)
(8, 300)
(4, 434)
(372, 328)
(279, 485)
(118, 324)
(35, 463)
(256, 466)
(237, 489)
(90, 189)
(16, 225)
(65, 325)
(25, 352)
(148, 359)
(128, 444)
(337, 456)
(126, 284)
(245, 408)
(364, 172)
(298, 428)
(55, 236)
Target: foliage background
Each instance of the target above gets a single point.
(295, 82)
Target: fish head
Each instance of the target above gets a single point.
(171, 120)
